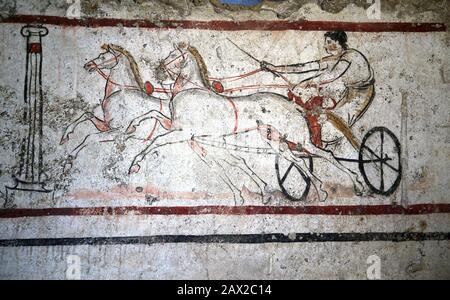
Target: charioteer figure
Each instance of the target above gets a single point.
(338, 90)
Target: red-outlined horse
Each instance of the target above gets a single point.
(199, 110)
(126, 97)
(127, 100)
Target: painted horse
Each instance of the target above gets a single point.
(126, 104)
(199, 111)
(126, 97)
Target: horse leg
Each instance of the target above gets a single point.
(95, 137)
(235, 162)
(165, 121)
(287, 154)
(329, 157)
(176, 137)
(240, 163)
(277, 142)
(101, 125)
(215, 165)
(89, 139)
(170, 137)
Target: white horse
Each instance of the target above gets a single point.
(126, 104)
(126, 98)
(198, 112)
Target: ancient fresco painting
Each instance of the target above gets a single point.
(268, 133)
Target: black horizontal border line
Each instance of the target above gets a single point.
(233, 239)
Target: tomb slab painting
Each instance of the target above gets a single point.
(210, 148)
(221, 118)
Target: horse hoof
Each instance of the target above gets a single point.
(266, 199)
(323, 196)
(64, 140)
(131, 129)
(134, 169)
(359, 192)
(67, 167)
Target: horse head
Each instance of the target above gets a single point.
(106, 60)
(170, 68)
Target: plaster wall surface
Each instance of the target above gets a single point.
(220, 193)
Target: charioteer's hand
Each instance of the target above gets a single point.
(265, 66)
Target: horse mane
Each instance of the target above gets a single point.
(134, 66)
(202, 66)
(136, 72)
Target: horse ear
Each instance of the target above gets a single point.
(182, 45)
(105, 47)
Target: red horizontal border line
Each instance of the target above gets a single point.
(356, 210)
(232, 25)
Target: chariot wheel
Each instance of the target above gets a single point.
(294, 183)
(380, 161)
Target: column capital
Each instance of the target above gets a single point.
(34, 30)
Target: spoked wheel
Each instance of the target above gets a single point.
(294, 183)
(380, 161)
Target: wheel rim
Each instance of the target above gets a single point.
(376, 165)
(292, 171)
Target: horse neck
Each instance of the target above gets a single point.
(121, 77)
(193, 74)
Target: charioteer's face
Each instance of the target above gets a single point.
(332, 47)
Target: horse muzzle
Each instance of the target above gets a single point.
(90, 67)
(161, 74)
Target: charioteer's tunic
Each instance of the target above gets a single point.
(345, 90)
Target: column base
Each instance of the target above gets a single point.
(28, 195)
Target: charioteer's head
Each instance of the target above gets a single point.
(335, 42)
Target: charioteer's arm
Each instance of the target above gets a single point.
(317, 66)
(313, 66)
(333, 74)
(300, 68)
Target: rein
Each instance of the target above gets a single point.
(106, 77)
(234, 78)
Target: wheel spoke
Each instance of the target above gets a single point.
(377, 157)
(381, 162)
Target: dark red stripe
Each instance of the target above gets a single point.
(356, 210)
(233, 25)
(35, 48)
